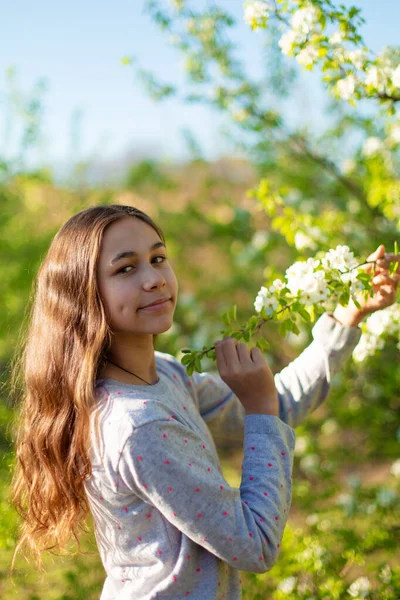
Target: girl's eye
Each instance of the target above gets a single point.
(124, 272)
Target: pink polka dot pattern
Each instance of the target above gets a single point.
(169, 466)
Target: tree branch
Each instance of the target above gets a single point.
(388, 97)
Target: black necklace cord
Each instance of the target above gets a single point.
(134, 374)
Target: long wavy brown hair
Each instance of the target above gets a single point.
(53, 377)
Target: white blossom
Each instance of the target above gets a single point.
(305, 19)
(394, 134)
(339, 258)
(355, 284)
(307, 56)
(360, 588)
(310, 463)
(301, 445)
(329, 427)
(297, 272)
(395, 468)
(381, 323)
(367, 346)
(277, 286)
(378, 76)
(372, 146)
(339, 54)
(287, 585)
(312, 520)
(309, 285)
(386, 320)
(386, 573)
(372, 77)
(357, 58)
(302, 240)
(264, 300)
(259, 239)
(315, 289)
(255, 11)
(287, 42)
(396, 77)
(345, 87)
(337, 37)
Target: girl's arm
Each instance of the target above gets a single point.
(176, 472)
(302, 386)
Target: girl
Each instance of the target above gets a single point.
(110, 424)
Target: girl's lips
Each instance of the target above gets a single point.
(156, 306)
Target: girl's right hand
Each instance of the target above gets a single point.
(248, 375)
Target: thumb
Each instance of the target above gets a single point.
(379, 253)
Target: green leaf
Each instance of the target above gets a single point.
(295, 329)
(290, 324)
(225, 332)
(185, 350)
(232, 313)
(246, 336)
(304, 314)
(344, 297)
(252, 322)
(186, 360)
(263, 344)
(197, 364)
(225, 319)
(237, 335)
(394, 266)
(283, 327)
(363, 277)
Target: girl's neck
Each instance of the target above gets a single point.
(112, 372)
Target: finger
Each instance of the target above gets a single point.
(379, 253)
(384, 279)
(392, 257)
(221, 362)
(387, 259)
(228, 346)
(256, 355)
(381, 279)
(384, 292)
(243, 354)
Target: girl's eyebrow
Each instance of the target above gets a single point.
(126, 253)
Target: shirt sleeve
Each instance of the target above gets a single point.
(302, 386)
(172, 469)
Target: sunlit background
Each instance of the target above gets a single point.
(95, 109)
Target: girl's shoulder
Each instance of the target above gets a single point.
(170, 364)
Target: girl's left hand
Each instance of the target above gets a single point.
(384, 285)
(384, 288)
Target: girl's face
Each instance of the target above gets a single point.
(130, 282)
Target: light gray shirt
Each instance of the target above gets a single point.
(167, 523)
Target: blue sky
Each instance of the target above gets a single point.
(77, 47)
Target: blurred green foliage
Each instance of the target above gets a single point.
(224, 243)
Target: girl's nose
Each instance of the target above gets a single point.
(153, 277)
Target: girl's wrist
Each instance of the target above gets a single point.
(348, 316)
